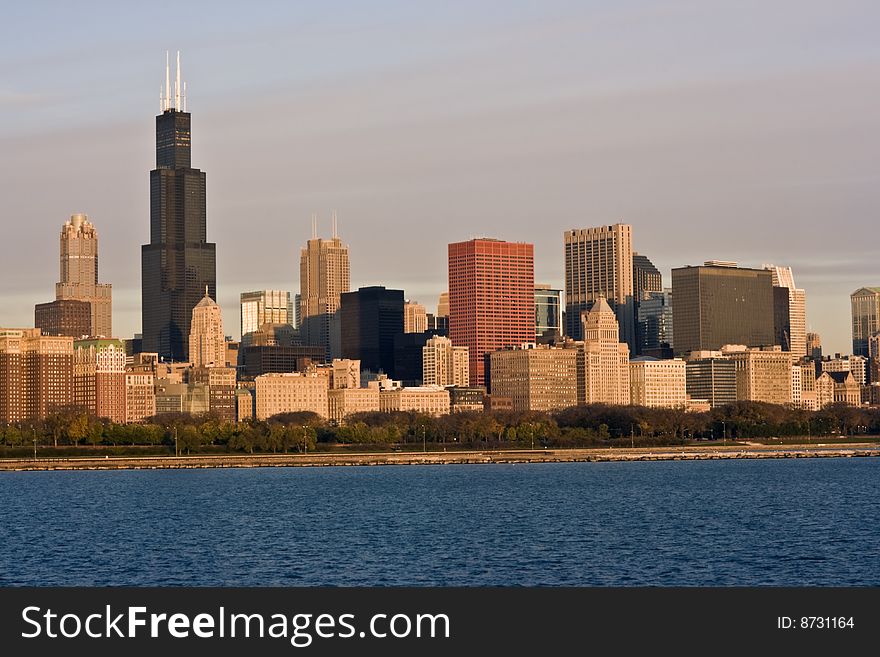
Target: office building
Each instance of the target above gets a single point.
(415, 319)
(491, 298)
(221, 389)
(548, 314)
(603, 367)
(654, 324)
(865, 303)
(370, 318)
(288, 393)
(711, 377)
(444, 364)
(345, 402)
(99, 378)
(814, 346)
(762, 375)
(276, 359)
(428, 400)
(207, 343)
(858, 365)
(265, 307)
(646, 277)
(536, 377)
(36, 374)
(466, 399)
(719, 304)
(324, 275)
(68, 317)
(790, 323)
(658, 383)
(178, 263)
(599, 263)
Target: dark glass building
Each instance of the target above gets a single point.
(548, 314)
(646, 277)
(408, 356)
(68, 317)
(179, 263)
(654, 324)
(265, 359)
(719, 304)
(369, 320)
(712, 379)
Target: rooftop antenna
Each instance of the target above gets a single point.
(333, 222)
(314, 226)
(167, 83)
(177, 84)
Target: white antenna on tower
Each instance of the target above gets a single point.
(333, 222)
(314, 226)
(177, 84)
(167, 83)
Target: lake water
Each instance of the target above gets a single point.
(761, 522)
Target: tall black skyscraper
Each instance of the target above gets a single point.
(178, 263)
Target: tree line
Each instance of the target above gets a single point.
(594, 425)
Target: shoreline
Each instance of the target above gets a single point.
(678, 453)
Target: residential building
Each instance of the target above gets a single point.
(762, 375)
(718, 304)
(99, 378)
(491, 298)
(444, 364)
(179, 262)
(140, 396)
(344, 402)
(599, 263)
(286, 393)
(658, 383)
(536, 377)
(221, 389)
(36, 374)
(603, 368)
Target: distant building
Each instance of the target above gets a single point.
(646, 277)
(346, 374)
(491, 298)
(244, 404)
(537, 377)
(257, 360)
(603, 370)
(814, 346)
(140, 396)
(654, 324)
(865, 304)
(712, 378)
(324, 276)
(430, 400)
(762, 375)
(791, 323)
(444, 364)
(415, 319)
(99, 378)
(599, 263)
(466, 399)
(287, 393)
(370, 318)
(68, 317)
(265, 307)
(858, 365)
(174, 397)
(658, 383)
(344, 402)
(36, 374)
(846, 389)
(207, 342)
(408, 358)
(548, 313)
(719, 304)
(221, 389)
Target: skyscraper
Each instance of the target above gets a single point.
(548, 313)
(443, 364)
(646, 277)
(865, 318)
(792, 331)
(323, 277)
(415, 319)
(603, 367)
(207, 344)
(654, 324)
(599, 263)
(36, 374)
(77, 285)
(370, 318)
(719, 304)
(178, 262)
(491, 298)
(265, 307)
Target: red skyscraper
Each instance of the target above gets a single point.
(491, 298)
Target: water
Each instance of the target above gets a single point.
(767, 522)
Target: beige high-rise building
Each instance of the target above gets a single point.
(603, 368)
(344, 402)
(79, 273)
(444, 364)
(804, 375)
(658, 383)
(221, 389)
(140, 396)
(99, 378)
(536, 377)
(287, 393)
(858, 365)
(430, 400)
(415, 319)
(599, 263)
(443, 305)
(797, 310)
(762, 375)
(207, 343)
(345, 373)
(36, 374)
(324, 275)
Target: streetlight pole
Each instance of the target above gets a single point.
(305, 441)
(176, 450)
(424, 440)
(724, 432)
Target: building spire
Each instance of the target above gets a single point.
(334, 224)
(177, 89)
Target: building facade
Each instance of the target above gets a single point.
(370, 318)
(324, 275)
(865, 304)
(536, 377)
(140, 396)
(599, 263)
(99, 378)
(712, 378)
(792, 330)
(444, 364)
(491, 298)
(36, 374)
(429, 400)
(265, 307)
(762, 375)
(344, 402)
(415, 319)
(287, 393)
(658, 383)
(719, 304)
(207, 343)
(179, 262)
(654, 324)
(603, 367)
(69, 317)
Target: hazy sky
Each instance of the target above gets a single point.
(737, 130)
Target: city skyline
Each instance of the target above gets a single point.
(782, 200)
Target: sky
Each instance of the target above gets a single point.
(734, 130)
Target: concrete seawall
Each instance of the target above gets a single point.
(689, 453)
